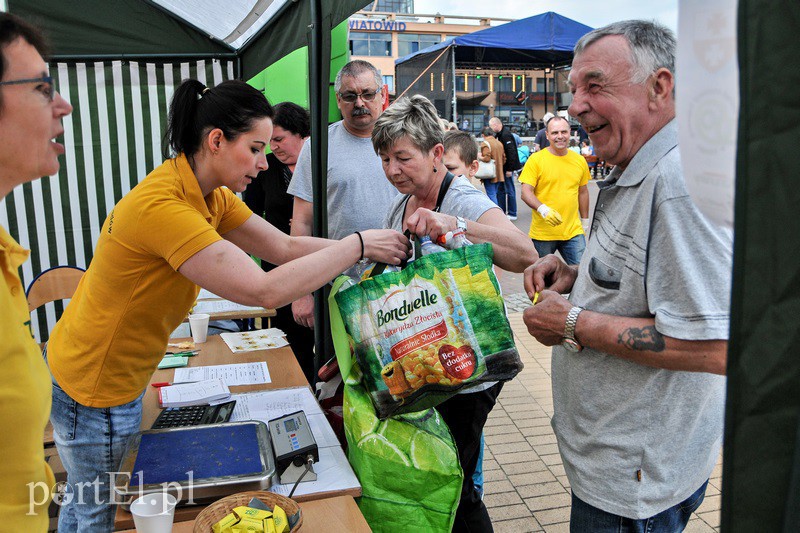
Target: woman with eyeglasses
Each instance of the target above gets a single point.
(30, 119)
(179, 229)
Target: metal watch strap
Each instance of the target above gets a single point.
(572, 321)
(461, 223)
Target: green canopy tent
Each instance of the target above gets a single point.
(118, 63)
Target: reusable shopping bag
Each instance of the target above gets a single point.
(424, 333)
(407, 465)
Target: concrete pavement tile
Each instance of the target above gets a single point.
(494, 475)
(561, 527)
(540, 420)
(492, 440)
(551, 459)
(539, 489)
(519, 479)
(711, 518)
(696, 525)
(542, 439)
(512, 447)
(490, 464)
(552, 516)
(564, 480)
(496, 487)
(516, 457)
(711, 490)
(497, 420)
(500, 499)
(517, 525)
(546, 449)
(557, 470)
(534, 431)
(513, 408)
(710, 503)
(499, 430)
(508, 512)
(549, 501)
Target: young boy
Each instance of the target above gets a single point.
(461, 155)
(461, 158)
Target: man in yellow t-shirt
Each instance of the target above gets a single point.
(554, 185)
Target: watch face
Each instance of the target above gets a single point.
(571, 345)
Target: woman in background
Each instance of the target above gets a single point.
(267, 197)
(30, 118)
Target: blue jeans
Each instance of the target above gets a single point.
(585, 517)
(90, 443)
(491, 190)
(507, 195)
(477, 476)
(571, 250)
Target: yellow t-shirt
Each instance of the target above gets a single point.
(25, 399)
(109, 341)
(555, 181)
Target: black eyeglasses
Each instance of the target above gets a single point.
(365, 96)
(49, 89)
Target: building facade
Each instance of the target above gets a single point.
(515, 96)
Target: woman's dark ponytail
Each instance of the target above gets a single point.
(232, 106)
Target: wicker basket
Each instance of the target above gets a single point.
(221, 508)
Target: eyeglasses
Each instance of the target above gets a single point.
(365, 96)
(48, 90)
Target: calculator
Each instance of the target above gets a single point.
(195, 415)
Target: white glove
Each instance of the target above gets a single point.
(543, 210)
(586, 224)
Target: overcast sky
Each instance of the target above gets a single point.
(593, 13)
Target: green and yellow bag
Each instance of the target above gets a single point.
(397, 459)
(422, 334)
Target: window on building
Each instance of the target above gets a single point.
(408, 43)
(391, 6)
(503, 83)
(540, 85)
(478, 83)
(370, 44)
(389, 82)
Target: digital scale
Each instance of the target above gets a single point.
(293, 443)
(201, 463)
(197, 464)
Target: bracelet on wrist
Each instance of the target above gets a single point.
(360, 240)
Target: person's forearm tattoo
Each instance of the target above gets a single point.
(642, 339)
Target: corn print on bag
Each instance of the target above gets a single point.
(422, 334)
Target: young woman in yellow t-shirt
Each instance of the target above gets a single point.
(30, 118)
(180, 228)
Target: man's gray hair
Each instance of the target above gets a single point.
(652, 45)
(354, 69)
(414, 117)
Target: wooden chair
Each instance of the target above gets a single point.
(57, 283)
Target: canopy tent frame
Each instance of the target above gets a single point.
(508, 47)
(86, 33)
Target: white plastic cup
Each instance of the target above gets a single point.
(154, 513)
(199, 326)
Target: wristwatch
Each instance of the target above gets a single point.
(461, 223)
(568, 341)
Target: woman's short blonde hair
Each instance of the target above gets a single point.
(414, 117)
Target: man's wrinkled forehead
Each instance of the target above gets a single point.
(584, 75)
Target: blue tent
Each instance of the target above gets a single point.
(541, 41)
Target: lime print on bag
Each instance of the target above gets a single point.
(430, 330)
